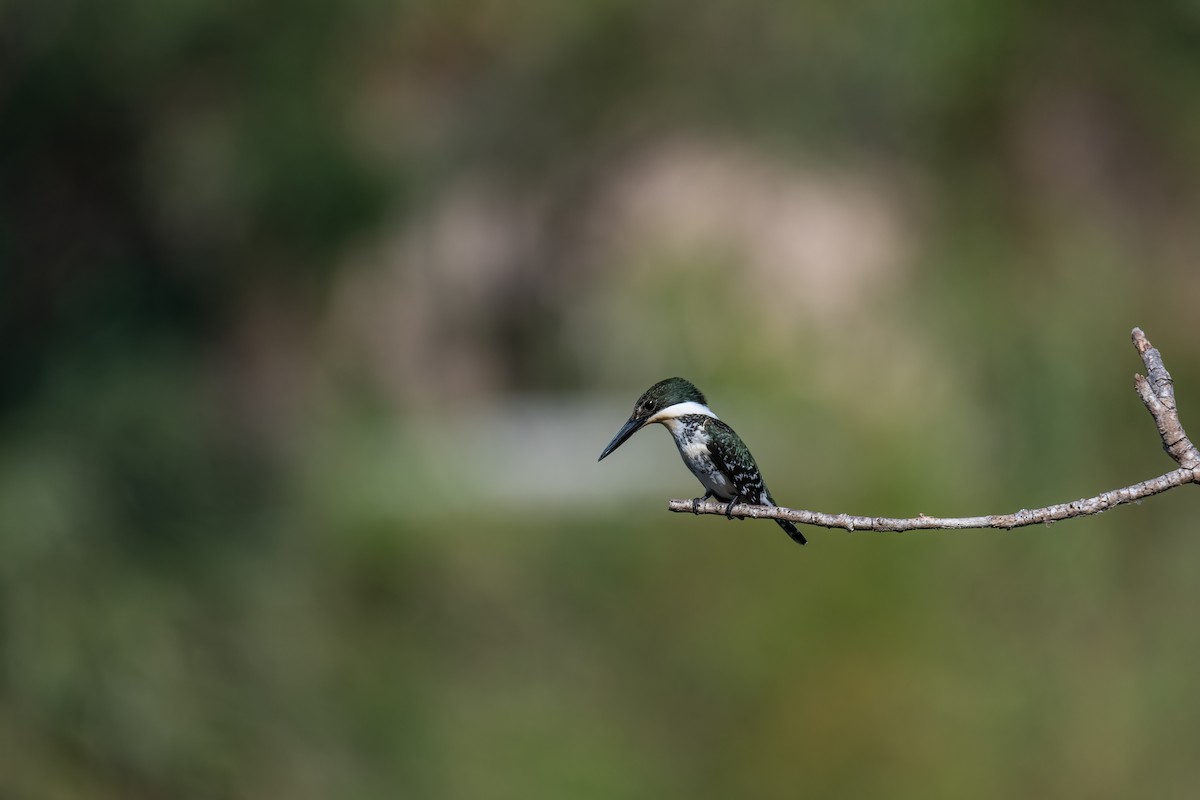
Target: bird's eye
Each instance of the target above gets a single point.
(651, 405)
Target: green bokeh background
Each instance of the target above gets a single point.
(314, 318)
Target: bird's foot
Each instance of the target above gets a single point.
(729, 509)
(696, 501)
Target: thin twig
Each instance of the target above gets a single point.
(1157, 393)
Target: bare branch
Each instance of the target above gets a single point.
(1157, 393)
(1076, 508)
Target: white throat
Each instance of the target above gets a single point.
(681, 410)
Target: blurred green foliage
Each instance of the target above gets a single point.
(313, 319)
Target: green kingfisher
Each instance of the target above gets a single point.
(712, 451)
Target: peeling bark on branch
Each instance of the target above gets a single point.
(1158, 394)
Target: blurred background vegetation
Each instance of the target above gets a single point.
(315, 316)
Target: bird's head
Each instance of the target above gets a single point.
(661, 401)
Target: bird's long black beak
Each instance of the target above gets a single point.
(628, 429)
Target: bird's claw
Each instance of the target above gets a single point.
(729, 509)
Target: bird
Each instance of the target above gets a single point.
(715, 454)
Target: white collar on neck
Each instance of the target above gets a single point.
(680, 410)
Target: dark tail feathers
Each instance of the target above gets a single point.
(791, 531)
